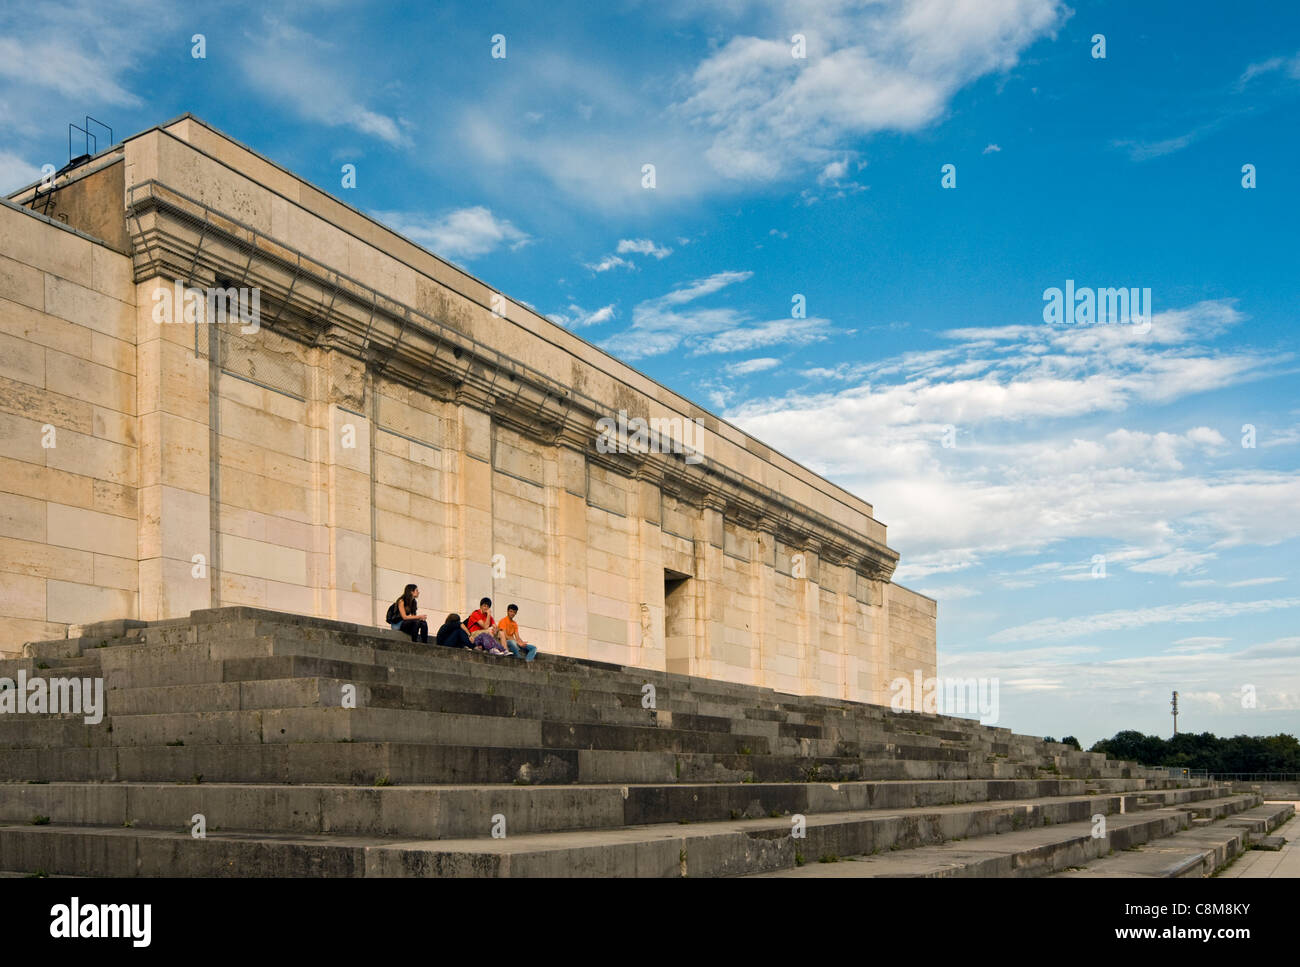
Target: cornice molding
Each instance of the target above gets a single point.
(177, 237)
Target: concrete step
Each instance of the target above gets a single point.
(395, 649)
(732, 847)
(328, 692)
(437, 812)
(1200, 851)
(364, 762)
(1032, 852)
(263, 651)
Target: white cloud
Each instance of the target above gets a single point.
(16, 172)
(953, 592)
(756, 335)
(79, 50)
(1037, 458)
(643, 246)
(577, 317)
(609, 262)
(747, 367)
(746, 111)
(1197, 643)
(1253, 582)
(1280, 648)
(1288, 65)
(1180, 561)
(883, 66)
(1063, 629)
(465, 233)
(667, 322)
(833, 172)
(312, 76)
(1105, 692)
(992, 149)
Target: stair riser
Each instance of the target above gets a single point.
(448, 813)
(468, 813)
(721, 853)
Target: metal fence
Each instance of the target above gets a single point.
(1182, 772)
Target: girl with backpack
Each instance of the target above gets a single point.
(402, 616)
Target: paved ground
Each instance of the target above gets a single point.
(1286, 862)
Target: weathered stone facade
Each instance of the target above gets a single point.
(392, 419)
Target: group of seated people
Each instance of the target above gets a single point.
(478, 632)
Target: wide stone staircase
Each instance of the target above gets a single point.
(239, 742)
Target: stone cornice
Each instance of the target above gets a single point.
(177, 237)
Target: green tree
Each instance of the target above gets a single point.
(1240, 753)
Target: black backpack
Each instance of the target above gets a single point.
(394, 616)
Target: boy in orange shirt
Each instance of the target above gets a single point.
(510, 632)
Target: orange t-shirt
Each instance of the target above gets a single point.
(508, 627)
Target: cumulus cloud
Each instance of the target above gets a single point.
(665, 323)
(889, 66)
(1102, 691)
(643, 246)
(311, 76)
(1002, 440)
(16, 172)
(747, 367)
(465, 233)
(1063, 629)
(607, 263)
(747, 111)
(577, 317)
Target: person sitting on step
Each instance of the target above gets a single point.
(483, 631)
(452, 634)
(402, 616)
(513, 639)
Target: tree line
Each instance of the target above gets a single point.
(1240, 753)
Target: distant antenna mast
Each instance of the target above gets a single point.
(1174, 705)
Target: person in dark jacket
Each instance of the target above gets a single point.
(453, 635)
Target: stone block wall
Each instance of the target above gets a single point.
(385, 426)
(69, 453)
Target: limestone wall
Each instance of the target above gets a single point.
(68, 430)
(351, 445)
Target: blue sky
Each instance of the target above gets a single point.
(778, 176)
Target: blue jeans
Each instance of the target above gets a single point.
(530, 651)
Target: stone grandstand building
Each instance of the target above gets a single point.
(371, 415)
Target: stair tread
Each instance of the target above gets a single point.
(944, 856)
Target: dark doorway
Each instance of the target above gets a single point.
(679, 621)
